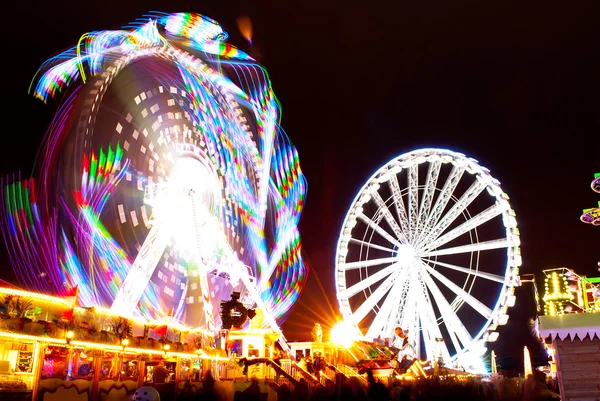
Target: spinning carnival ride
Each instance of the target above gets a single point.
(164, 182)
(430, 244)
(592, 215)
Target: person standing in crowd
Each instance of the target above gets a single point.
(310, 367)
(318, 365)
(160, 373)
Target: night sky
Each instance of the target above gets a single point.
(516, 86)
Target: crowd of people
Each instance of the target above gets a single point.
(533, 388)
(312, 365)
(464, 388)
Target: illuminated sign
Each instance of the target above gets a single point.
(95, 352)
(10, 346)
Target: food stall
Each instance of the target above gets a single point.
(51, 349)
(570, 328)
(18, 359)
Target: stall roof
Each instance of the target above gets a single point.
(6, 284)
(572, 325)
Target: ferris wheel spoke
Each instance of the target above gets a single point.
(400, 294)
(480, 246)
(440, 204)
(488, 276)
(431, 330)
(399, 203)
(381, 322)
(378, 229)
(433, 174)
(370, 245)
(467, 226)
(370, 303)
(404, 289)
(388, 216)
(413, 198)
(409, 317)
(140, 273)
(462, 294)
(369, 281)
(404, 305)
(366, 263)
(457, 331)
(465, 200)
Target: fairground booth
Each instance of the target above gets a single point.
(570, 327)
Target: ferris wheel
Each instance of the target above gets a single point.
(430, 244)
(159, 178)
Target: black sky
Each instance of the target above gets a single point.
(514, 85)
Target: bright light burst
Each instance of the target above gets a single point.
(141, 108)
(344, 334)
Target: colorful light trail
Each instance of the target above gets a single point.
(136, 104)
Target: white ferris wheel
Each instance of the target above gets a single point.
(430, 244)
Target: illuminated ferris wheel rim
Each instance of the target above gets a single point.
(404, 249)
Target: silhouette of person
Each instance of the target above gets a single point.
(160, 373)
(252, 393)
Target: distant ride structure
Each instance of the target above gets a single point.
(165, 181)
(430, 243)
(592, 215)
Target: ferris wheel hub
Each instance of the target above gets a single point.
(188, 202)
(406, 255)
